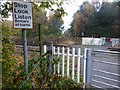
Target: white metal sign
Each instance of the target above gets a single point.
(22, 15)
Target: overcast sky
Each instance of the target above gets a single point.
(70, 8)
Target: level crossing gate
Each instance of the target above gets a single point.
(97, 68)
(105, 72)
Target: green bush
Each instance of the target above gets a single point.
(42, 79)
(8, 61)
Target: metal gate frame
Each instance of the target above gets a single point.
(88, 68)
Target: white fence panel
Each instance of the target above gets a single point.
(93, 41)
(115, 42)
(70, 61)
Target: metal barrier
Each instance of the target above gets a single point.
(105, 69)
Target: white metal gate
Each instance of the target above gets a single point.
(99, 68)
(105, 69)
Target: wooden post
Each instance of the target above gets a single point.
(40, 39)
(50, 49)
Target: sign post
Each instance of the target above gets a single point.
(25, 50)
(22, 18)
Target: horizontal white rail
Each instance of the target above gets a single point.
(104, 51)
(106, 84)
(65, 54)
(106, 78)
(115, 74)
(96, 86)
(111, 63)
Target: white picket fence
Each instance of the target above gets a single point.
(69, 56)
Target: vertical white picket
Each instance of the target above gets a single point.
(63, 50)
(68, 57)
(45, 49)
(78, 66)
(73, 62)
(58, 52)
(85, 57)
(54, 63)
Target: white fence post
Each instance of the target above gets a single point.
(68, 57)
(63, 50)
(73, 62)
(45, 49)
(78, 66)
(58, 52)
(54, 63)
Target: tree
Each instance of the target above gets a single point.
(79, 25)
(50, 26)
(103, 21)
(54, 24)
(6, 8)
(97, 22)
(70, 31)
